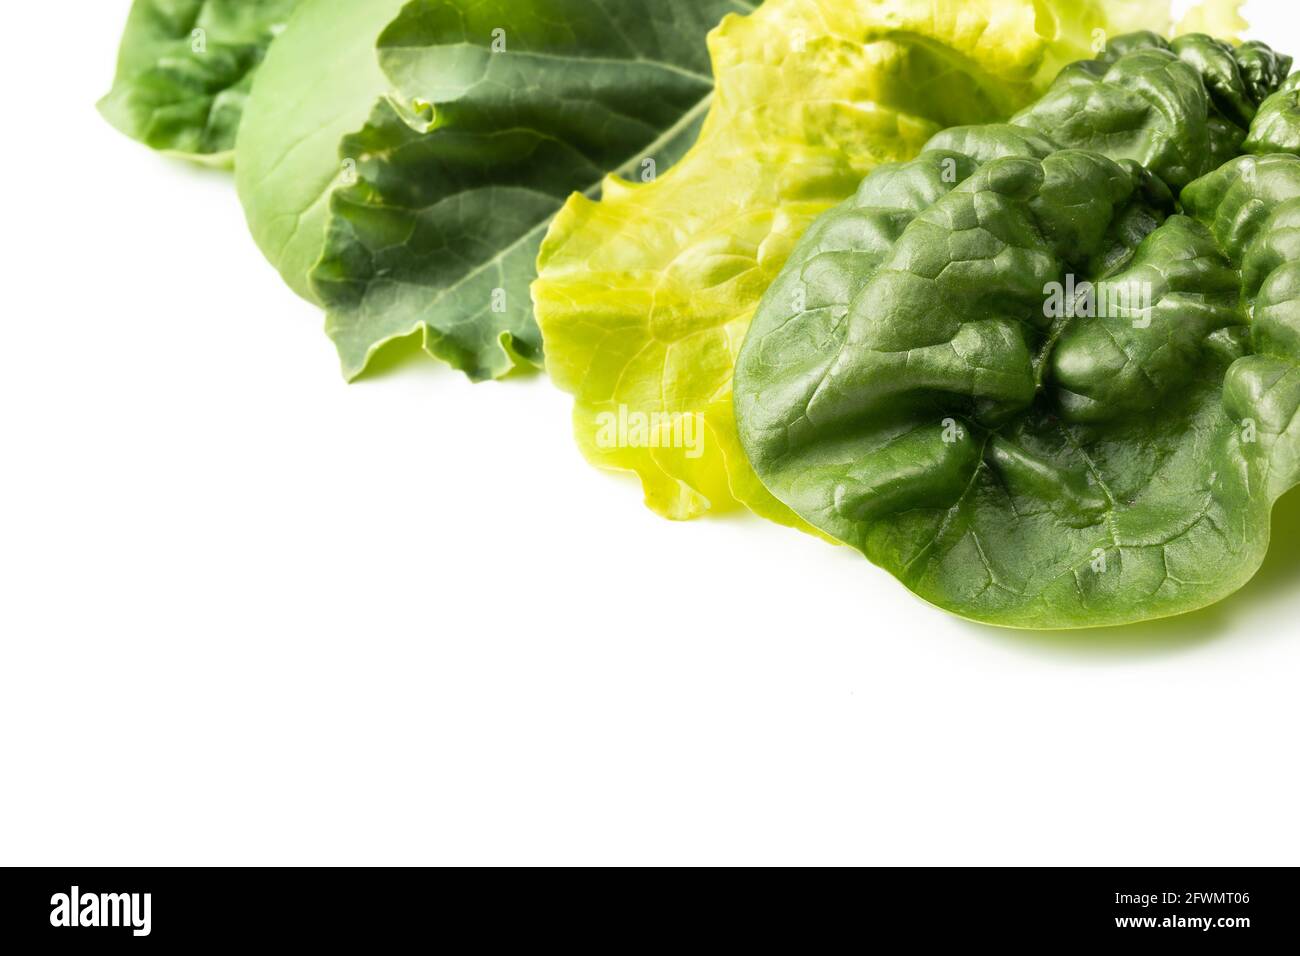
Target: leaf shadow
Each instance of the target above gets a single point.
(1277, 580)
(403, 356)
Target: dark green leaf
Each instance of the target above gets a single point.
(185, 68)
(907, 386)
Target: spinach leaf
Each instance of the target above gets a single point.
(1277, 126)
(1177, 109)
(1020, 375)
(184, 71)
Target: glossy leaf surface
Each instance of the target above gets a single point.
(1022, 377)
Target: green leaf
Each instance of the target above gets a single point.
(184, 71)
(1018, 375)
(1277, 126)
(287, 161)
(644, 296)
(1177, 109)
(501, 110)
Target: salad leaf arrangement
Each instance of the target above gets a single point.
(400, 160)
(998, 292)
(414, 200)
(644, 297)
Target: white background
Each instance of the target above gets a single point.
(249, 614)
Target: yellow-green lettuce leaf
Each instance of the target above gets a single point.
(644, 296)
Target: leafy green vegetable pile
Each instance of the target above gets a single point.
(1016, 320)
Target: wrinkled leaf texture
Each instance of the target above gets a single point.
(904, 389)
(184, 71)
